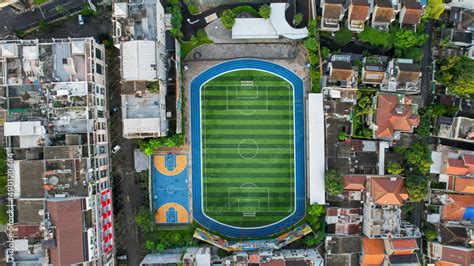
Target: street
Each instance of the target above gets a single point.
(128, 196)
(426, 68)
(11, 21)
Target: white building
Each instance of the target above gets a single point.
(55, 129)
(140, 32)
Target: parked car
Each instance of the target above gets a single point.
(115, 109)
(116, 148)
(81, 20)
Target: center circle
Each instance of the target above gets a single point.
(248, 148)
(170, 189)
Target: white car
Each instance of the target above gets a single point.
(116, 148)
(81, 20)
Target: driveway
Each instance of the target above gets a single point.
(426, 68)
(11, 21)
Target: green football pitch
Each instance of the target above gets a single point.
(247, 148)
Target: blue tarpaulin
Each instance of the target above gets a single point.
(469, 213)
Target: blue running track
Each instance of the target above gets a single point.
(300, 206)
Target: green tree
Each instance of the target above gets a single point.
(417, 187)
(404, 38)
(333, 181)
(311, 44)
(417, 157)
(160, 247)
(430, 234)
(150, 245)
(415, 53)
(176, 21)
(144, 220)
(3, 214)
(325, 52)
(297, 19)
(434, 9)
(39, 2)
(265, 11)
(342, 135)
(60, 9)
(315, 216)
(43, 25)
(376, 37)
(457, 74)
(343, 36)
(228, 19)
(193, 9)
(394, 168)
(87, 10)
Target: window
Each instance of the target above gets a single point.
(99, 69)
(98, 54)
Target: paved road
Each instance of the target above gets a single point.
(452, 143)
(426, 67)
(11, 21)
(128, 196)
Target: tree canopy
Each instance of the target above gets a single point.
(434, 9)
(228, 19)
(394, 168)
(343, 36)
(333, 181)
(457, 74)
(376, 37)
(265, 11)
(417, 187)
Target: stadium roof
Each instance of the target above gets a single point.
(316, 165)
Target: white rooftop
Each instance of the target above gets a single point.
(141, 126)
(316, 167)
(27, 128)
(139, 60)
(272, 28)
(253, 28)
(120, 10)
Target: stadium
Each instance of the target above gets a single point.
(247, 147)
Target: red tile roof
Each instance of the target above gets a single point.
(66, 216)
(374, 251)
(456, 167)
(464, 184)
(388, 191)
(402, 246)
(458, 256)
(454, 209)
(359, 10)
(354, 182)
(392, 116)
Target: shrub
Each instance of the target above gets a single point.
(333, 182)
(343, 37)
(87, 10)
(43, 25)
(265, 11)
(228, 19)
(247, 9)
(298, 19)
(394, 168)
(415, 53)
(375, 37)
(193, 9)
